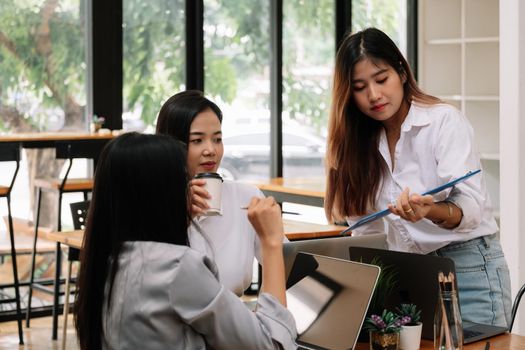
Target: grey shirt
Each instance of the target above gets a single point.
(168, 297)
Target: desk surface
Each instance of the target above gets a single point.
(70, 238)
(53, 136)
(308, 191)
(313, 187)
(500, 342)
(294, 230)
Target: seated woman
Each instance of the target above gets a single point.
(140, 284)
(190, 117)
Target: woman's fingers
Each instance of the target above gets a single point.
(265, 216)
(403, 207)
(405, 203)
(195, 211)
(421, 205)
(253, 202)
(411, 207)
(199, 197)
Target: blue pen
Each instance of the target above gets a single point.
(385, 212)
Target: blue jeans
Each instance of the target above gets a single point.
(483, 280)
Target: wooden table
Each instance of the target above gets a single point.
(501, 342)
(297, 230)
(72, 239)
(308, 191)
(294, 230)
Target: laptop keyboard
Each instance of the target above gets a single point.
(468, 333)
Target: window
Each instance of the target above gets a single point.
(237, 65)
(42, 85)
(308, 60)
(154, 59)
(387, 15)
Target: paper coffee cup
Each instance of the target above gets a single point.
(214, 187)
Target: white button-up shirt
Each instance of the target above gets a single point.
(436, 146)
(234, 242)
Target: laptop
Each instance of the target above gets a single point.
(417, 283)
(328, 299)
(335, 247)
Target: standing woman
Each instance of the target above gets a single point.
(142, 286)
(232, 242)
(388, 142)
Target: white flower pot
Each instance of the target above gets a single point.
(410, 337)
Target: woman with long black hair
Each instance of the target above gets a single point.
(229, 238)
(141, 286)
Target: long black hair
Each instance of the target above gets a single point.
(177, 113)
(140, 194)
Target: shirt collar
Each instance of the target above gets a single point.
(416, 117)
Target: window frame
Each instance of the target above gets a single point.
(105, 60)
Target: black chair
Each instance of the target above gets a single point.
(79, 212)
(70, 150)
(10, 152)
(515, 306)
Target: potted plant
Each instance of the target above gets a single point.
(96, 123)
(383, 330)
(411, 327)
(386, 286)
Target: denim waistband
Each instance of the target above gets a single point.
(485, 240)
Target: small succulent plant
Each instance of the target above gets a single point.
(388, 322)
(408, 314)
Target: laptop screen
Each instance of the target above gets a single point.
(333, 247)
(329, 298)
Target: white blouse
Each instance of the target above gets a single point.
(234, 242)
(168, 297)
(436, 146)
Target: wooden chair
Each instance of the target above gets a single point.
(10, 152)
(79, 212)
(70, 150)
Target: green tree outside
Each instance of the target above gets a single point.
(42, 55)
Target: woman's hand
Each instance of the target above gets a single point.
(199, 197)
(265, 216)
(412, 207)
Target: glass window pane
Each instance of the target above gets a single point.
(237, 66)
(42, 88)
(154, 58)
(388, 15)
(308, 59)
(42, 66)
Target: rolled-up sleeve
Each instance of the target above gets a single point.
(472, 207)
(456, 155)
(223, 320)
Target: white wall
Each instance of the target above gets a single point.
(512, 143)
